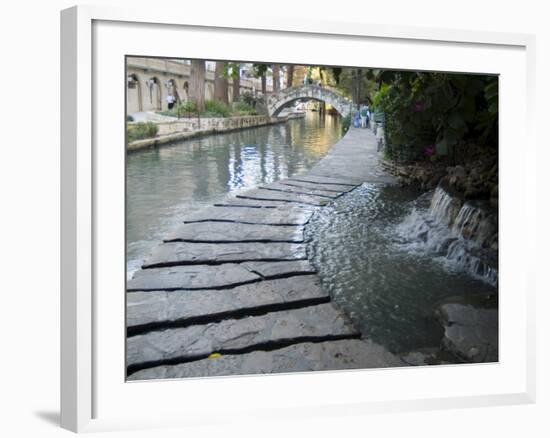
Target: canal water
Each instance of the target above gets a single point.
(383, 273)
(164, 184)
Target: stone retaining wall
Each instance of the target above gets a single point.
(183, 129)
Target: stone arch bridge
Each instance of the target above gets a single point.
(275, 102)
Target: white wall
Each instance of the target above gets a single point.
(29, 180)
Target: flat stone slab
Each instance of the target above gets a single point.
(307, 356)
(321, 322)
(191, 277)
(186, 253)
(471, 333)
(249, 215)
(217, 232)
(270, 195)
(327, 180)
(257, 203)
(157, 308)
(300, 190)
(336, 188)
(279, 269)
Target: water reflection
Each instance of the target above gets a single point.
(165, 183)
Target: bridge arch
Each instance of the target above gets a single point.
(275, 102)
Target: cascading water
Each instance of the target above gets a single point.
(461, 233)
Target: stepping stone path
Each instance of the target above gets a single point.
(231, 291)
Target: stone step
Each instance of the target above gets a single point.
(286, 215)
(307, 356)
(300, 190)
(257, 203)
(147, 310)
(188, 253)
(215, 232)
(280, 269)
(336, 188)
(327, 180)
(191, 277)
(270, 195)
(272, 330)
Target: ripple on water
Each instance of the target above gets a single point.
(387, 290)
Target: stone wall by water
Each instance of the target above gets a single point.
(182, 129)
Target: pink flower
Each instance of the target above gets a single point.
(429, 150)
(419, 106)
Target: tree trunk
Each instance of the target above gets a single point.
(197, 83)
(237, 84)
(264, 84)
(276, 78)
(220, 83)
(289, 75)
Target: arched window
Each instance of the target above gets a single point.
(133, 94)
(155, 93)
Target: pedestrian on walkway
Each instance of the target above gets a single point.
(171, 101)
(364, 113)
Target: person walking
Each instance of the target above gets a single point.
(171, 99)
(364, 112)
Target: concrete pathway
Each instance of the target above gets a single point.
(233, 292)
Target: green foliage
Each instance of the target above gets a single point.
(378, 100)
(243, 109)
(346, 123)
(252, 100)
(186, 109)
(129, 118)
(141, 130)
(216, 108)
(436, 112)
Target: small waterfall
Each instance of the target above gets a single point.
(459, 232)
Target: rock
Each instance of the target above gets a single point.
(471, 333)
(284, 215)
(321, 322)
(215, 232)
(161, 308)
(186, 253)
(191, 277)
(333, 355)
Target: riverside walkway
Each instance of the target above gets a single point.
(232, 290)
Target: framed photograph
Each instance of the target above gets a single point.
(323, 209)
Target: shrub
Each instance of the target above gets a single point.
(243, 109)
(187, 108)
(346, 122)
(251, 100)
(129, 118)
(215, 108)
(141, 130)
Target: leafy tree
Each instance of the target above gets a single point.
(197, 83)
(276, 77)
(260, 71)
(220, 82)
(289, 75)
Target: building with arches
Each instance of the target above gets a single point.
(150, 80)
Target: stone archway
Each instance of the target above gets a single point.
(134, 101)
(275, 102)
(155, 93)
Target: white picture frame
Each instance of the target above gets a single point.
(90, 361)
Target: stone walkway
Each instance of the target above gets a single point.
(232, 291)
